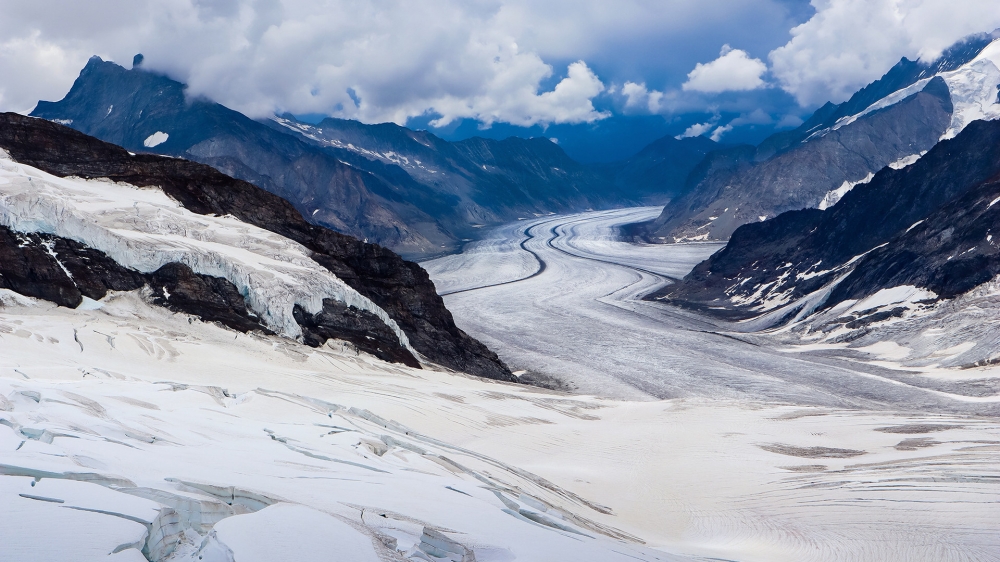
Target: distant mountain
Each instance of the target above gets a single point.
(487, 181)
(891, 122)
(660, 171)
(408, 190)
(196, 241)
(926, 229)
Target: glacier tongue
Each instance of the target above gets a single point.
(144, 229)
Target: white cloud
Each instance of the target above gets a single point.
(789, 122)
(734, 70)
(849, 43)
(399, 58)
(756, 117)
(696, 130)
(637, 97)
(719, 131)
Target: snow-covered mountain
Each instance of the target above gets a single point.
(203, 243)
(891, 122)
(912, 249)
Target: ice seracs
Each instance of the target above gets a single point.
(144, 229)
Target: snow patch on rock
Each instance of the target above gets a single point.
(834, 195)
(155, 139)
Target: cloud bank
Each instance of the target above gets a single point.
(521, 62)
(849, 43)
(515, 61)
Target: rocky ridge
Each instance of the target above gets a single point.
(402, 289)
(927, 226)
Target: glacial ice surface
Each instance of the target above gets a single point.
(144, 229)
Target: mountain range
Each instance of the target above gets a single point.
(906, 258)
(407, 190)
(891, 122)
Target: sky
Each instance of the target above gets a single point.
(627, 71)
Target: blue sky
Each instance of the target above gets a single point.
(625, 71)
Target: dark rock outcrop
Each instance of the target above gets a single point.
(360, 327)
(64, 271)
(399, 287)
(59, 270)
(210, 298)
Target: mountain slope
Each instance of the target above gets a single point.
(489, 181)
(890, 122)
(408, 190)
(660, 171)
(142, 111)
(927, 225)
(326, 273)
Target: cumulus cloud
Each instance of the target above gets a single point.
(849, 43)
(696, 130)
(719, 131)
(387, 61)
(734, 70)
(637, 97)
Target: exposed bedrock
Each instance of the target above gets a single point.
(178, 288)
(360, 327)
(401, 288)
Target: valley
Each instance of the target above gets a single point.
(325, 320)
(253, 447)
(581, 323)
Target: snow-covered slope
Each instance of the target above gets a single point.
(973, 89)
(144, 229)
(226, 250)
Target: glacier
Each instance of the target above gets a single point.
(144, 229)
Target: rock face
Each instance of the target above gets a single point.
(929, 225)
(360, 327)
(178, 288)
(485, 181)
(401, 288)
(745, 189)
(896, 118)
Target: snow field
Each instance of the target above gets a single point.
(241, 447)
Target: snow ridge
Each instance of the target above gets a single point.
(973, 89)
(144, 229)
